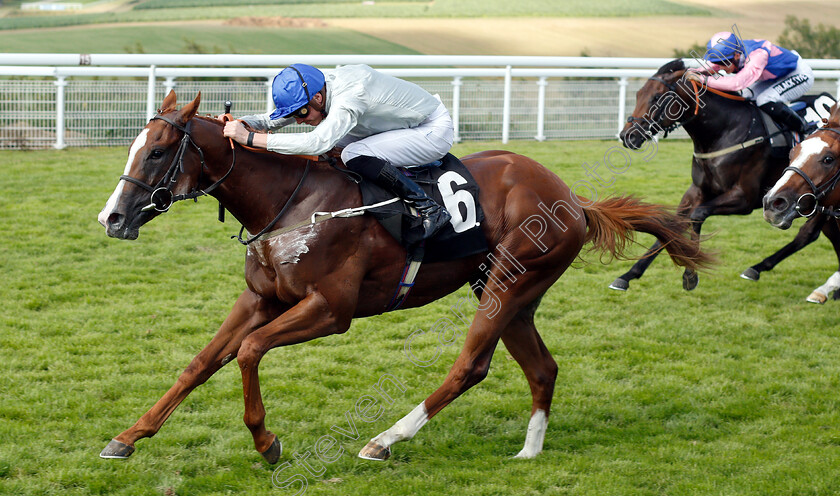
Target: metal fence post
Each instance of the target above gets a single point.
(60, 83)
(506, 107)
(150, 95)
(269, 99)
(541, 83)
(622, 103)
(456, 107)
(838, 89)
(169, 85)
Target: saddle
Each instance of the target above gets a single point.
(812, 108)
(450, 184)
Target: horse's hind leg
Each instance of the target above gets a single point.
(638, 269)
(247, 314)
(808, 233)
(690, 200)
(497, 309)
(524, 344)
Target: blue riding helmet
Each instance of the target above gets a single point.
(293, 87)
(722, 47)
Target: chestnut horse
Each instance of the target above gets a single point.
(313, 280)
(808, 188)
(730, 183)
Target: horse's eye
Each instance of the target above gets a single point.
(828, 160)
(156, 154)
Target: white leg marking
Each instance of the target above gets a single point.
(832, 284)
(139, 143)
(405, 428)
(535, 436)
(808, 148)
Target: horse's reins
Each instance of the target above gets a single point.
(718, 153)
(738, 146)
(161, 197)
(818, 192)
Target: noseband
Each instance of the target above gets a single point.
(817, 192)
(160, 195)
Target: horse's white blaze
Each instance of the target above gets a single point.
(832, 284)
(809, 148)
(139, 143)
(405, 428)
(535, 436)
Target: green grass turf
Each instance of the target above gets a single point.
(730, 389)
(438, 8)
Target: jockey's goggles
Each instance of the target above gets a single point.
(302, 112)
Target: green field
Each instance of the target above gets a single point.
(196, 39)
(174, 11)
(728, 390)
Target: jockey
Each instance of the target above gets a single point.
(379, 121)
(761, 71)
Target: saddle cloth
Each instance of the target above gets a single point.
(452, 186)
(813, 108)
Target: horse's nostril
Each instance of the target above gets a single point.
(779, 204)
(115, 220)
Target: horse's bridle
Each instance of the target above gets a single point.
(160, 195)
(817, 192)
(659, 116)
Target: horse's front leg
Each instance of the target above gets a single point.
(808, 233)
(822, 293)
(733, 202)
(249, 312)
(311, 318)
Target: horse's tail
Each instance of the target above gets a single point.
(611, 223)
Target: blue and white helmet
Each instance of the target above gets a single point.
(722, 47)
(294, 87)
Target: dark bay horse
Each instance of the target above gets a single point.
(808, 188)
(312, 281)
(731, 183)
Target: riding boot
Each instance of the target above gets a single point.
(785, 115)
(387, 176)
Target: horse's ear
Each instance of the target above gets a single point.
(169, 102)
(189, 110)
(834, 118)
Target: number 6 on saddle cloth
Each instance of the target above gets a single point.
(450, 185)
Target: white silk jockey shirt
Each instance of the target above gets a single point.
(360, 102)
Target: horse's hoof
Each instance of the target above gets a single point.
(750, 274)
(117, 450)
(620, 285)
(816, 297)
(375, 451)
(272, 454)
(690, 280)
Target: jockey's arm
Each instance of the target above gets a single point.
(263, 122)
(322, 139)
(748, 75)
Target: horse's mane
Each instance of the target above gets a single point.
(207, 117)
(210, 118)
(672, 66)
